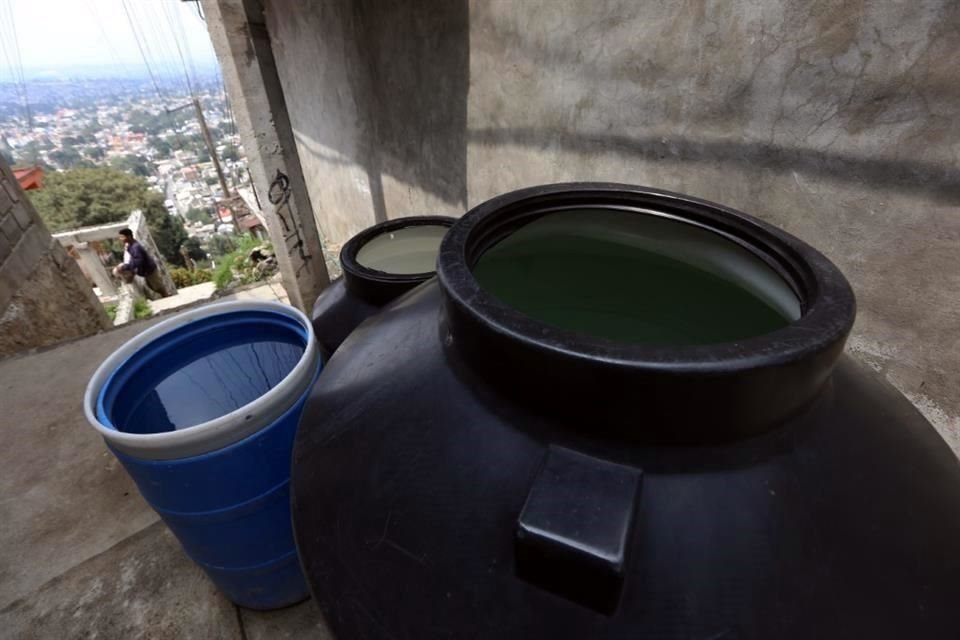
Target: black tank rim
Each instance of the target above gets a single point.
(370, 283)
(802, 354)
(827, 300)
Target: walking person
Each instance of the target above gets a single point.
(137, 262)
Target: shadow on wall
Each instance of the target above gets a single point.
(419, 63)
(376, 87)
(936, 181)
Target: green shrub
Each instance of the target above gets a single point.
(186, 278)
(181, 277)
(223, 274)
(236, 268)
(247, 242)
(141, 309)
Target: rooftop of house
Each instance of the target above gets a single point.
(29, 177)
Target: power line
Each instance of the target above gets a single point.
(143, 55)
(3, 47)
(16, 42)
(103, 32)
(176, 41)
(16, 67)
(186, 41)
(165, 58)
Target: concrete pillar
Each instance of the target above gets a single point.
(125, 299)
(242, 45)
(92, 267)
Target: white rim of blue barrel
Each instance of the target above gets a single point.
(219, 432)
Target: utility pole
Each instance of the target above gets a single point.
(210, 147)
(208, 140)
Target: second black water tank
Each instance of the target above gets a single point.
(379, 264)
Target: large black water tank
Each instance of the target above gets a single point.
(379, 264)
(622, 413)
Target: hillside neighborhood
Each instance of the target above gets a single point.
(128, 128)
(90, 158)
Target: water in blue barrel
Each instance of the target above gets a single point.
(202, 410)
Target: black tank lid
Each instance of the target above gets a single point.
(375, 286)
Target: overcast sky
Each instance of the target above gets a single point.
(64, 33)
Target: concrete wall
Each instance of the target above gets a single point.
(376, 93)
(44, 298)
(838, 120)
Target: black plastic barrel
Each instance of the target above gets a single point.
(622, 413)
(379, 265)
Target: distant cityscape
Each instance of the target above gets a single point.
(122, 122)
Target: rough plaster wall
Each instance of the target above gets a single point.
(50, 307)
(418, 60)
(325, 84)
(836, 120)
(376, 92)
(44, 297)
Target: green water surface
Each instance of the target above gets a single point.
(572, 273)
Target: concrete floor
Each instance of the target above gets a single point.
(269, 290)
(184, 296)
(81, 554)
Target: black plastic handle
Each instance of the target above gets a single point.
(572, 533)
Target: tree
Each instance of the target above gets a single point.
(167, 230)
(90, 129)
(186, 141)
(230, 152)
(29, 154)
(195, 144)
(198, 215)
(100, 195)
(161, 146)
(95, 153)
(193, 249)
(68, 158)
(143, 122)
(219, 245)
(132, 164)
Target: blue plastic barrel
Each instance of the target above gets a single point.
(201, 410)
